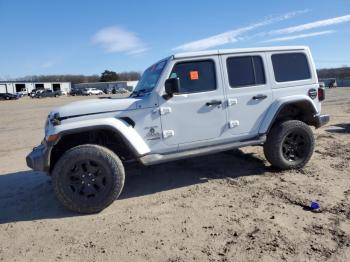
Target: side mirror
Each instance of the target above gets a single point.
(172, 86)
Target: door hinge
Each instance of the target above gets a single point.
(168, 133)
(232, 101)
(233, 123)
(164, 110)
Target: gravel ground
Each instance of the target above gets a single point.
(226, 207)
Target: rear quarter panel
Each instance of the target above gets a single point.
(292, 88)
(292, 91)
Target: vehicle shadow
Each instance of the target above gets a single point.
(340, 128)
(142, 180)
(28, 195)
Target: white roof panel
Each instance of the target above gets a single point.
(239, 50)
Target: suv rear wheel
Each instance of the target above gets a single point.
(289, 144)
(88, 178)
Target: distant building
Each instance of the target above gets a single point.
(343, 82)
(328, 81)
(26, 87)
(129, 85)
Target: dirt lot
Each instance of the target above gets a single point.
(224, 207)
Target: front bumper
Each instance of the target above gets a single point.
(39, 158)
(321, 120)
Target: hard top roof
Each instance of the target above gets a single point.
(238, 50)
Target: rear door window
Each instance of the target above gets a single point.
(245, 71)
(290, 67)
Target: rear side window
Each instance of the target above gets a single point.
(290, 67)
(245, 71)
(197, 76)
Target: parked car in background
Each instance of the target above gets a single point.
(23, 92)
(19, 94)
(34, 91)
(322, 84)
(108, 90)
(92, 91)
(121, 91)
(76, 92)
(8, 96)
(64, 93)
(332, 84)
(47, 93)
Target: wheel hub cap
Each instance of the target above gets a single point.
(294, 146)
(87, 179)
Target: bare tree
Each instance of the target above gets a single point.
(341, 73)
(106, 76)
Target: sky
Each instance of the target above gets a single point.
(88, 37)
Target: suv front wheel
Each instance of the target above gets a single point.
(289, 144)
(88, 178)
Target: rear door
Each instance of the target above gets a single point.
(248, 93)
(197, 112)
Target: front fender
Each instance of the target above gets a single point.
(277, 106)
(125, 130)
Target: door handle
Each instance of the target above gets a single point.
(259, 97)
(214, 103)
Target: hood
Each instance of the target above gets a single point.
(97, 106)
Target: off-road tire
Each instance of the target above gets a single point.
(110, 168)
(277, 142)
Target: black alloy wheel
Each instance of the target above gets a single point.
(289, 144)
(88, 178)
(294, 146)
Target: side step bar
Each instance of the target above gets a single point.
(153, 159)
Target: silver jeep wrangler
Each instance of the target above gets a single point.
(185, 105)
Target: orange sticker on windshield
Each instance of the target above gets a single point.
(194, 75)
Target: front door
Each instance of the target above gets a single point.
(248, 93)
(197, 112)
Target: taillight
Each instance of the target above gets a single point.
(321, 93)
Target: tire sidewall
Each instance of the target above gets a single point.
(308, 140)
(275, 138)
(110, 162)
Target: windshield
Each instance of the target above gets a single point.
(149, 78)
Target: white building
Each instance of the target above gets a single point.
(133, 84)
(14, 87)
(130, 85)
